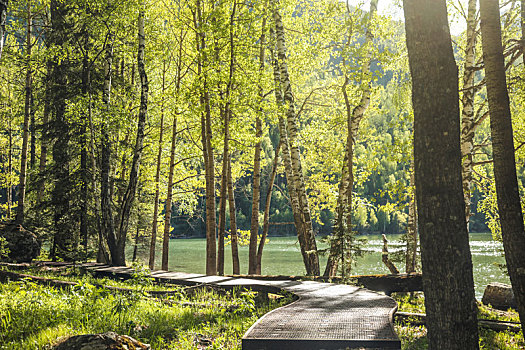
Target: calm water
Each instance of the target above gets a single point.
(282, 257)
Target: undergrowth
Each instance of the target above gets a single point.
(33, 316)
(415, 337)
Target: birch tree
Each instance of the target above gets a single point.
(467, 112)
(3, 19)
(294, 165)
(355, 115)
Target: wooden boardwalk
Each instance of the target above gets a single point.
(325, 315)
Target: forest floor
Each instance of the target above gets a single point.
(415, 337)
(35, 316)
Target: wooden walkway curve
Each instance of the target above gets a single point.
(325, 315)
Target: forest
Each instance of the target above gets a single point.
(126, 125)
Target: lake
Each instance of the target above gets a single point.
(282, 257)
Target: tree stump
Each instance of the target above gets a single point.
(104, 341)
(499, 295)
(23, 245)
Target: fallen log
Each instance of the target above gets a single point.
(499, 296)
(381, 283)
(412, 282)
(418, 319)
(388, 284)
(13, 276)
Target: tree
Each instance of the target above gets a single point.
(27, 116)
(508, 198)
(253, 260)
(63, 240)
(119, 255)
(206, 139)
(355, 115)
(3, 19)
(467, 112)
(294, 173)
(154, 225)
(445, 253)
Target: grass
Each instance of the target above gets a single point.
(415, 337)
(33, 316)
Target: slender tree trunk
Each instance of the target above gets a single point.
(223, 193)
(169, 196)
(341, 246)
(233, 222)
(266, 220)
(523, 31)
(411, 257)
(3, 19)
(32, 133)
(256, 187)
(227, 117)
(207, 149)
(445, 254)
(298, 178)
(294, 200)
(27, 117)
(63, 240)
(467, 112)
(169, 192)
(107, 223)
(84, 150)
(136, 245)
(44, 137)
(157, 175)
(509, 206)
(129, 196)
(10, 168)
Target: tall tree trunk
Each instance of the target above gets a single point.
(154, 225)
(467, 112)
(44, 139)
(106, 201)
(523, 31)
(84, 149)
(207, 149)
(294, 200)
(340, 246)
(136, 245)
(256, 187)
(27, 117)
(64, 232)
(291, 117)
(233, 222)
(411, 256)
(223, 193)
(169, 192)
(445, 254)
(169, 196)
(10, 167)
(129, 196)
(226, 156)
(3, 19)
(509, 206)
(266, 220)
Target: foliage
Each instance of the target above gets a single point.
(34, 316)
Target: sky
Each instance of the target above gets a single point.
(393, 8)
